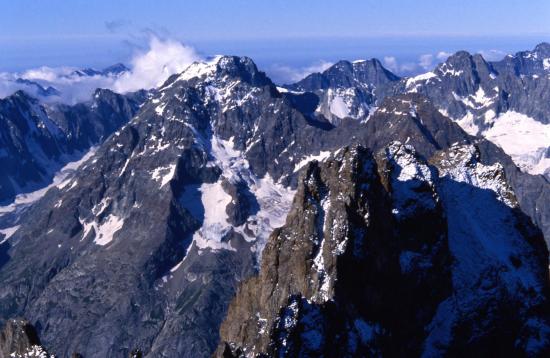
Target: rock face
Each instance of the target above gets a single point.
(18, 339)
(413, 119)
(348, 90)
(476, 92)
(36, 140)
(159, 226)
(143, 247)
(376, 258)
(506, 102)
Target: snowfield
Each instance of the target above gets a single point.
(524, 139)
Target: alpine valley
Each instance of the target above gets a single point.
(353, 213)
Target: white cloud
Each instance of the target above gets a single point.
(72, 88)
(148, 69)
(407, 68)
(287, 74)
(45, 73)
(426, 61)
(390, 62)
(492, 55)
(152, 68)
(443, 55)
(318, 67)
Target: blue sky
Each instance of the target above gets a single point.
(276, 33)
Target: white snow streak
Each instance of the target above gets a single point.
(60, 180)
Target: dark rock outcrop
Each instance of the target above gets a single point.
(18, 339)
(376, 258)
(471, 91)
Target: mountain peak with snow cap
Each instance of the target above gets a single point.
(219, 68)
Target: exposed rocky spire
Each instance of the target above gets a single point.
(376, 258)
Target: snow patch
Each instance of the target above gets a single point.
(338, 107)
(160, 109)
(420, 78)
(274, 201)
(33, 351)
(285, 90)
(163, 174)
(460, 163)
(215, 226)
(451, 72)
(411, 181)
(199, 69)
(8, 232)
(524, 139)
(340, 103)
(60, 180)
(320, 157)
(468, 125)
(481, 98)
(319, 260)
(107, 229)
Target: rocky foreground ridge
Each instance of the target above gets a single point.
(390, 255)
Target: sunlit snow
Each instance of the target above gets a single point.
(524, 139)
(8, 232)
(273, 199)
(105, 231)
(320, 157)
(163, 174)
(61, 179)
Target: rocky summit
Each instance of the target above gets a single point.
(353, 213)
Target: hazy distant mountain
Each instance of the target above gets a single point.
(348, 89)
(115, 69)
(41, 91)
(507, 101)
(37, 139)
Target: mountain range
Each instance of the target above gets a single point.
(353, 213)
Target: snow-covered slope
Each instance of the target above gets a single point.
(505, 101)
(348, 89)
(526, 140)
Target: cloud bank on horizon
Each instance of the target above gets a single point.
(428, 61)
(70, 85)
(151, 67)
(288, 74)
